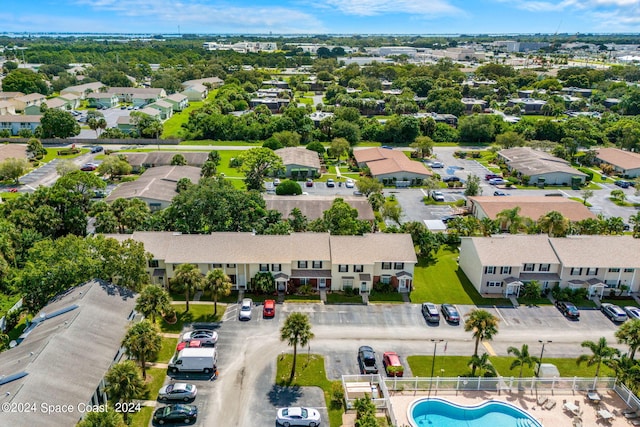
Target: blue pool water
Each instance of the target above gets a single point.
(436, 412)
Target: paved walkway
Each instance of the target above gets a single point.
(405, 297)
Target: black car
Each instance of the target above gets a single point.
(623, 184)
(367, 360)
(430, 312)
(176, 414)
(450, 313)
(451, 178)
(568, 309)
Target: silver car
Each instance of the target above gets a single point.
(613, 312)
(205, 336)
(632, 312)
(178, 391)
(245, 309)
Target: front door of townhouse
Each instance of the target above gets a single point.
(323, 283)
(402, 285)
(363, 286)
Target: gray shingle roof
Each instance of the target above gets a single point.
(313, 206)
(158, 183)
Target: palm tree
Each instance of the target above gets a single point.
(634, 220)
(627, 370)
(482, 364)
(554, 224)
(189, 277)
(600, 352)
(220, 286)
(124, 383)
(296, 330)
(142, 343)
(629, 333)
(511, 219)
(488, 226)
(522, 358)
(484, 326)
(107, 418)
(153, 301)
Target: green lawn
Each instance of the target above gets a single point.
(581, 200)
(142, 418)
(453, 365)
(391, 297)
(622, 302)
(197, 313)
(443, 281)
(338, 298)
(224, 143)
(503, 363)
(569, 368)
(309, 372)
(172, 128)
(155, 379)
(166, 350)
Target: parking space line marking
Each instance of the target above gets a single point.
(501, 316)
(489, 348)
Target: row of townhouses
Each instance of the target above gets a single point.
(501, 264)
(316, 259)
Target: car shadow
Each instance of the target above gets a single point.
(283, 396)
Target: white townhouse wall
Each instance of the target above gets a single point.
(298, 259)
(592, 262)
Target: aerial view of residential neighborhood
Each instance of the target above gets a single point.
(341, 213)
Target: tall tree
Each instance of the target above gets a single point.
(423, 146)
(484, 326)
(600, 352)
(296, 331)
(153, 301)
(257, 163)
(124, 383)
(511, 219)
(219, 284)
(482, 364)
(629, 333)
(522, 358)
(142, 343)
(338, 147)
(554, 224)
(13, 169)
(473, 186)
(635, 222)
(56, 123)
(188, 276)
(368, 186)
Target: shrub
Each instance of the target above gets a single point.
(235, 162)
(588, 172)
(383, 288)
(337, 394)
(288, 187)
(305, 290)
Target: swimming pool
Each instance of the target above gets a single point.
(437, 412)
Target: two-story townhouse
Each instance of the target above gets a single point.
(17, 123)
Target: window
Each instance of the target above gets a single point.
(231, 266)
(302, 264)
(347, 283)
(276, 267)
(494, 284)
(358, 268)
(153, 263)
(575, 271)
(545, 267)
(216, 265)
(154, 207)
(489, 270)
(386, 266)
(343, 268)
(304, 281)
(529, 267)
(628, 270)
(505, 270)
(386, 279)
(317, 264)
(614, 270)
(398, 265)
(264, 267)
(592, 271)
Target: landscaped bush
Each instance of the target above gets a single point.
(337, 394)
(383, 288)
(68, 151)
(235, 162)
(288, 188)
(588, 172)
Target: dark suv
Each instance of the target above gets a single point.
(568, 309)
(367, 360)
(450, 313)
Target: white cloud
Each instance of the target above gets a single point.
(378, 7)
(578, 5)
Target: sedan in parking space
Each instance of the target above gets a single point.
(331, 183)
(97, 149)
(177, 391)
(622, 184)
(245, 309)
(450, 178)
(450, 313)
(489, 176)
(179, 413)
(88, 167)
(497, 181)
(367, 360)
(392, 365)
(499, 193)
(437, 196)
(430, 312)
(437, 165)
(205, 336)
(632, 312)
(298, 416)
(349, 183)
(309, 182)
(613, 312)
(568, 309)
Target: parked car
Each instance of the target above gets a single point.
(392, 365)
(245, 309)
(309, 182)
(188, 344)
(568, 309)
(207, 338)
(88, 167)
(358, 193)
(497, 181)
(269, 308)
(179, 413)
(622, 184)
(450, 178)
(349, 183)
(489, 176)
(388, 147)
(437, 165)
(331, 183)
(448, 218)
(450, 313)
(177, 391)
(367, 360)
(613, 312)
(298, 416)
(437, 196)
(430, 312)
(632, 312)
(499, 193)
(97, 149)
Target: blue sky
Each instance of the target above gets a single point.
(321, 16)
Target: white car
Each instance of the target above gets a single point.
(178, 391)
(245, 309)
(632, 312)
(297, 416)
(497, 181)
(205, 336)
(350, 183)
(437, 196)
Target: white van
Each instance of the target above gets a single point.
(194, 359)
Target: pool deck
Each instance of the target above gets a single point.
(555, 417)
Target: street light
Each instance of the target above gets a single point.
(541, 353)
(433, 361)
